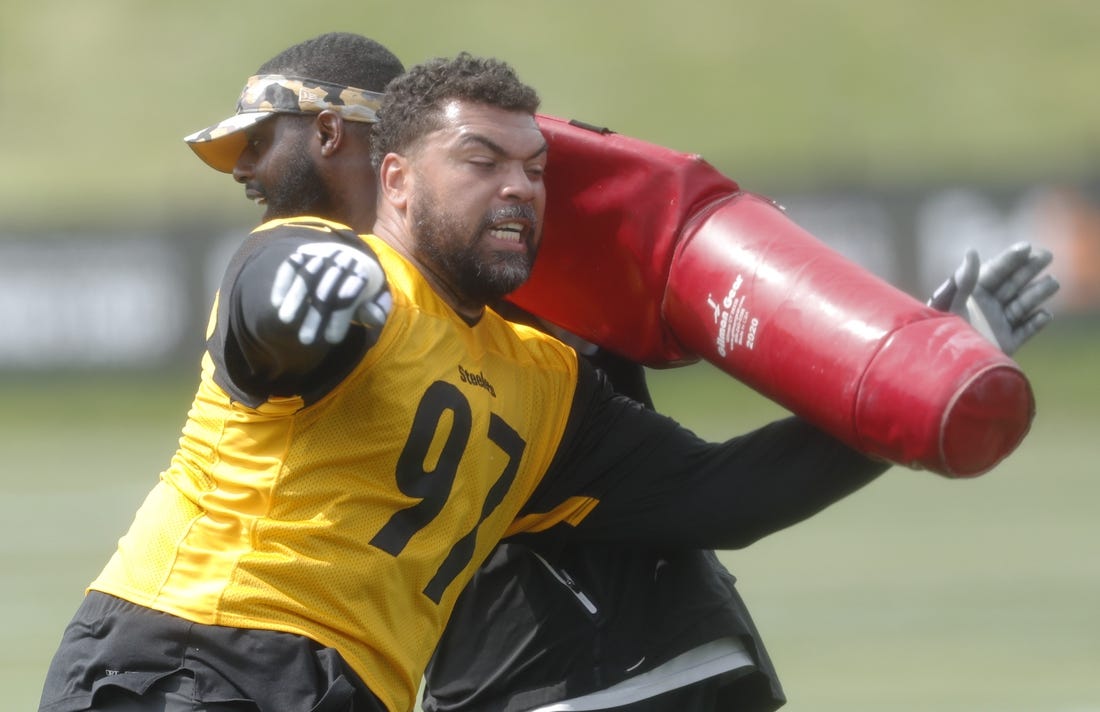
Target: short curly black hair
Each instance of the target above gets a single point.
(414, 102)
(338, 58)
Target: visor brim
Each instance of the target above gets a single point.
(220, 145)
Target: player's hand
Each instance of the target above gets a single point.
(326, 286)
(1002, 298)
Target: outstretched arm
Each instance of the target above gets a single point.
(784, 473)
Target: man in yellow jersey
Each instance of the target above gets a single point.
(639, 649)
(366, 429)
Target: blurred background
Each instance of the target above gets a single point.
(899, 133)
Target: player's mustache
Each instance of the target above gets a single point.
(523, 212)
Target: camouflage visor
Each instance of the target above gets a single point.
(265, 95)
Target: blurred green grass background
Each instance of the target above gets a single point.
(782, 95)
(915, 594)
(918, 593)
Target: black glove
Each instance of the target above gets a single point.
(328, 286)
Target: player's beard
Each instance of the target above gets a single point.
(300, 190)
(459, 255)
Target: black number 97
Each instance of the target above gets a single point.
(433, 487)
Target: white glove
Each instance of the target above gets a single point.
(329, 285)
(1003, 298)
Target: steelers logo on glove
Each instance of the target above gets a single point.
(325, 287)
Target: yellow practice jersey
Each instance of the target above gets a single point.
(355, 520)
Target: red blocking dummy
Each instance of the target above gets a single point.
(656, 256)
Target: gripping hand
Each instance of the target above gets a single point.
(325, 286)
(1004, 297)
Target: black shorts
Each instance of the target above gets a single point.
(112, 646)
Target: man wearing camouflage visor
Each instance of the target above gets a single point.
(221, 145)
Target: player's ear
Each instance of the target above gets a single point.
(330, 131)
(395, 180)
